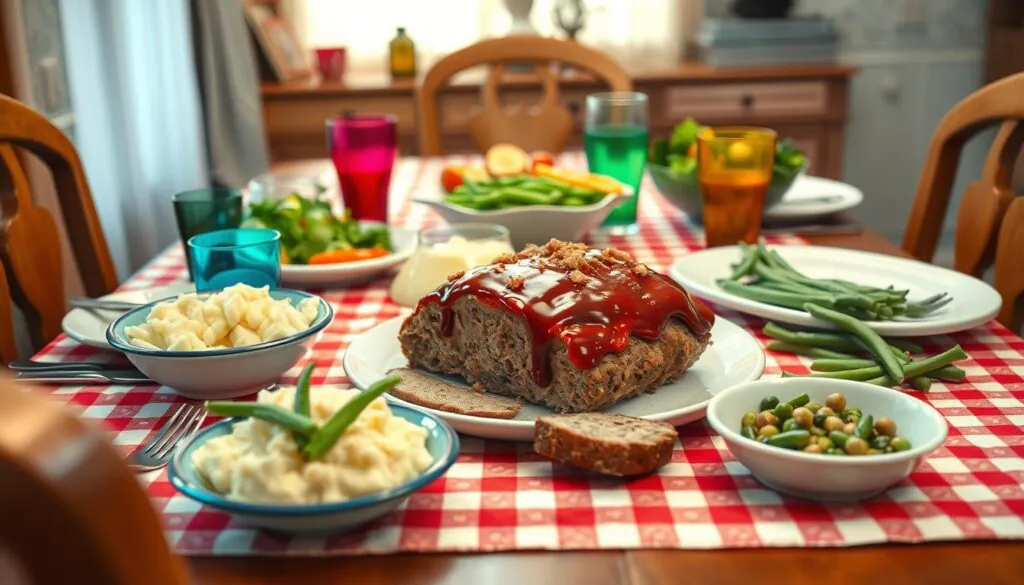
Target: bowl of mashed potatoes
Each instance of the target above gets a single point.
(221, 344)
(255, 470)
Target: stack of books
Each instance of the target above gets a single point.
(737, 42)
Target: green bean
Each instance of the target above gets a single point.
(799, 400)
(824, 339)
(773, 297)
(922, 383)
(904, 344)
(814, 352)
(786, 286)
(302, 404)
(768, 403)
(921, 367)
(841, 365)
(948, 374)
(838, 438)
(571, 201)
(795, 439)
(523, 197)
(325, 438)
(877, 345)
(751, 257)
(748, 432)
(269, 412)
(864, 426)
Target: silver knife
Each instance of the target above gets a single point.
(85, 377)
(100, 304)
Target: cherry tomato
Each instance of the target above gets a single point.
(540, 157)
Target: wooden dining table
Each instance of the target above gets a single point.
(925, 564)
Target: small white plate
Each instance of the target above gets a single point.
(734, 357)
(974, 302)
(90, 327)
(811, 197)
(403, 242)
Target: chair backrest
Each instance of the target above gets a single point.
(72, 511)
(29, 237)
(546, 127)
(986, 230)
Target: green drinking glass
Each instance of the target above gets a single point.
(615, 136)
(206, 210)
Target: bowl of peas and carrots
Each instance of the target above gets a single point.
(826, 439)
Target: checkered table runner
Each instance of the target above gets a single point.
(500, 496)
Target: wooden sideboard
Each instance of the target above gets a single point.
(808, 104)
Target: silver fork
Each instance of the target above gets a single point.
(155, 453)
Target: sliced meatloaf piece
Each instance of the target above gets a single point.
(550, 331)
(612, 444)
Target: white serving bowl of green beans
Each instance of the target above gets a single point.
(820, 476)
(539, 222)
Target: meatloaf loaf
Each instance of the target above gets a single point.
(563, 325)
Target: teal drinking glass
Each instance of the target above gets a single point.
(205, 210)
(228, 257)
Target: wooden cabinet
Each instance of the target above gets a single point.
(806, 104)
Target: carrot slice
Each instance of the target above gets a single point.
(353, 255)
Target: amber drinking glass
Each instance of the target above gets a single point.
(734, 167)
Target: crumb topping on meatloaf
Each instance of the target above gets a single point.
(591, 300)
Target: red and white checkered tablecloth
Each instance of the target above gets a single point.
(500, 496)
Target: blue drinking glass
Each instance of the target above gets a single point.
(227, 257)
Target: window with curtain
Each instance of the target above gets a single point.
(637, 30)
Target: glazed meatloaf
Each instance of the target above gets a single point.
(573, 328)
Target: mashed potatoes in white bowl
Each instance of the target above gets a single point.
(222, 344)
(254, 469)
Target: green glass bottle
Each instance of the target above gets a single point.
(403, 55)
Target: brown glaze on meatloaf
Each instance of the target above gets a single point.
(562, 325)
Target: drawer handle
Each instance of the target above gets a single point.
(747, 101)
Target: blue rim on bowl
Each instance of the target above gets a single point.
(119, 341)
(206, 496)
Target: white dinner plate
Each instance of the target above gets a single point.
(734, 357)
(403, 242)
(974, 302)
(811, 197)
(90, 327)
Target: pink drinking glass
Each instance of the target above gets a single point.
(331, 62)
(363, 148)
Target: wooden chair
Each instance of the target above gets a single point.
(546, 127)
(72, 511)
(31, 273)
(990, 221)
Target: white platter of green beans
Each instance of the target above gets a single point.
(891, 295)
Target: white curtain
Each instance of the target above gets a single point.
(633, 31)
(139, 128)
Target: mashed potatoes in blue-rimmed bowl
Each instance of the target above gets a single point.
(256, 468)
(221, 344)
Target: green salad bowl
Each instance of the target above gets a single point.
(683, 190)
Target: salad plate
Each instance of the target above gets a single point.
(973, 301)
(319, 247)
(403, 244)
